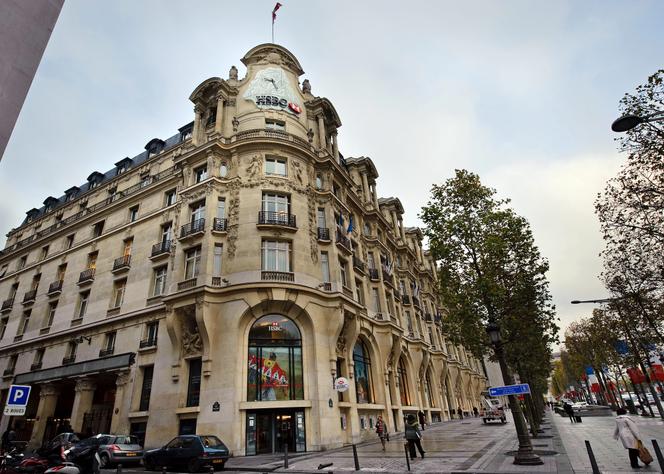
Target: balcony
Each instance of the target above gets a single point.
(8, 371)
(161, 249)
(405, 299)
(68, 360)
(282, 219)
(30, 296)
(121, 264)
(387, 278)
(416, 301)
(220, 224)
(186, 284)
(7, 304)
(86, 276)
(149, 342)
(324, 234)
(343, 242)
(428, 318)
(106, 352)
(36, 366)
(277, 276)
(192, 229)
(358, 264)
(326, 286)
(55, 288)
(373, 274)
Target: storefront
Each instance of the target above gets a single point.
(270, 431)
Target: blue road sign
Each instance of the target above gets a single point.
(18, 395)
(518, 389)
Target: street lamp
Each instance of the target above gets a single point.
(525, 455)
(628, 122)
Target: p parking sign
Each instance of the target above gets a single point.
(17, 400)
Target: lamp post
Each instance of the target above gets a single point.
(635, 347)
(525, 455)
(628, 122)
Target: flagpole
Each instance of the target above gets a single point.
(273, 31)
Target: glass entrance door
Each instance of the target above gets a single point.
(268, 431)
(284, 433)
(264, 435)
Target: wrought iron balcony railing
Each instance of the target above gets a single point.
(87, 275)
(162, 248)
(220, 224)
(323, 233)
(68, 360)
(358, 264)
(192, 228)
(55, 287)
(277, 276)
(373, 274)
(30, 296)
(122, 263)
(277, 218)
(149, 342)
(7, 304)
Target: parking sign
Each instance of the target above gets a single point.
(17, 400)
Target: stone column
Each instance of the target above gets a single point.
(84, 392)
(365, 188)
(395, 222)
(401, 231)
(120, 420)
(195, 135)
(321, 133)
(335, 147)
(375, 196)
(219, 123)
(48, 397)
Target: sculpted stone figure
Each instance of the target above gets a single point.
(306, 87)
(232, 74)
(254, 167)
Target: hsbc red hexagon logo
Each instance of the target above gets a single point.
(294, 107)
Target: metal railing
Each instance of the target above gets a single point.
(68, 360)
(9, 371)
(216, 281)
(416, 301)
(220, 224)
(192, 227)
(276, 218)
(29, 296)
(7, 304)
(405, 299)
(323, 233)
(122, 262)
(106, 352)
(36, 366)
(277, 276)
(55, 287)
(326, 286)
(161, 248)
(87, 275)
(343, 241)
(358, 264)
(149, 342)
(373, 274)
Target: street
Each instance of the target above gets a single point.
(469, 446)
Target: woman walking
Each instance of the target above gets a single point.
(381, 431)
(413, 436)
(628, 433)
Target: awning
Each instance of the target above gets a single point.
(104, 364)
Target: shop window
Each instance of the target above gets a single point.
(275, 360)
(194, 385)
(363, 382)
(404, 393)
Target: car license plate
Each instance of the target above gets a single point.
(131, 454)
(217, 460)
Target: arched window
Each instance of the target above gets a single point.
(403, 383)
(363, 383)
(428, 392)
(275, 360)
(223, 169)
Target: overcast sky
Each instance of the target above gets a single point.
(520, 92)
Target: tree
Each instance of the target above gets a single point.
(491, 270)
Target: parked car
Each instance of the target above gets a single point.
(119, 449)
(193, 452)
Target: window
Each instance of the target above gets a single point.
(371, 263)
(216, 266)
(133, 213)
(325, 266)
(97, 229)
(275, 360)
(126, 247)
(92, 260)
(335, 190)
(170, 197)
(50, 314)
(344, 272)
(194, 385)
(223, 169)
(25, 321)
(319, 182)
(35, 281)
(83, 299)
(221, 208)
(39, 357)
(3, 326)
(166, 233)
(69, 241)
(322, 222)
(276, 256)
(359, 292)
(62, 269)
(275, 166)
(363, 379)
(13, 291)
(197, 211)
(192, 263)
(3, 270)
(11, 363)
(109, 342)
(146, 388)
(276, 203)
(159, 287)
(71, 351)
(275, 124)
(403, 383)
(44, 252)
(22, 261)
(200, 173)
(118, 293)
(375, 300)
(151, 332)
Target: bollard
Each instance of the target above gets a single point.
(405, 448)
(211, 469)
(163, 469)
(118, 469)
(658, 453)
(593, 461)
(357, 462)
(323, 466)
(285, 455)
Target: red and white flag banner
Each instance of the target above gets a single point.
(274, 12)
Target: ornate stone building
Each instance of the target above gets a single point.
(221, 280)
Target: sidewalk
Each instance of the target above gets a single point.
(451, 447)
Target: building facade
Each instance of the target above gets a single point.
(220, 281)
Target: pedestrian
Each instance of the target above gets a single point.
(422, 418)
(8, 438)
(569, 410)
(476, 412)
(414, 437)
(381, 431)
(628, 433)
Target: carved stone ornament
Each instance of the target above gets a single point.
(341, 345)
(48, 390)
(235, 123)
(191, 339)
(233, 217)
(306, 86)
(230, 103)
(255, 166)
(232, 74)
(85, 385)
(310, 135)
(122, 379)
(297, 171)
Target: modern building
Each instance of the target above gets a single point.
(221, 280)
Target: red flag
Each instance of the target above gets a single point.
(274, 12)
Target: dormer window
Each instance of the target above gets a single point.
(94, 179)
(123, 165)
(49, 203)
(71, 193)
(186, 131)
(212, 117)
(154, 147)
(32, 214)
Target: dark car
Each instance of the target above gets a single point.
(193, 452)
